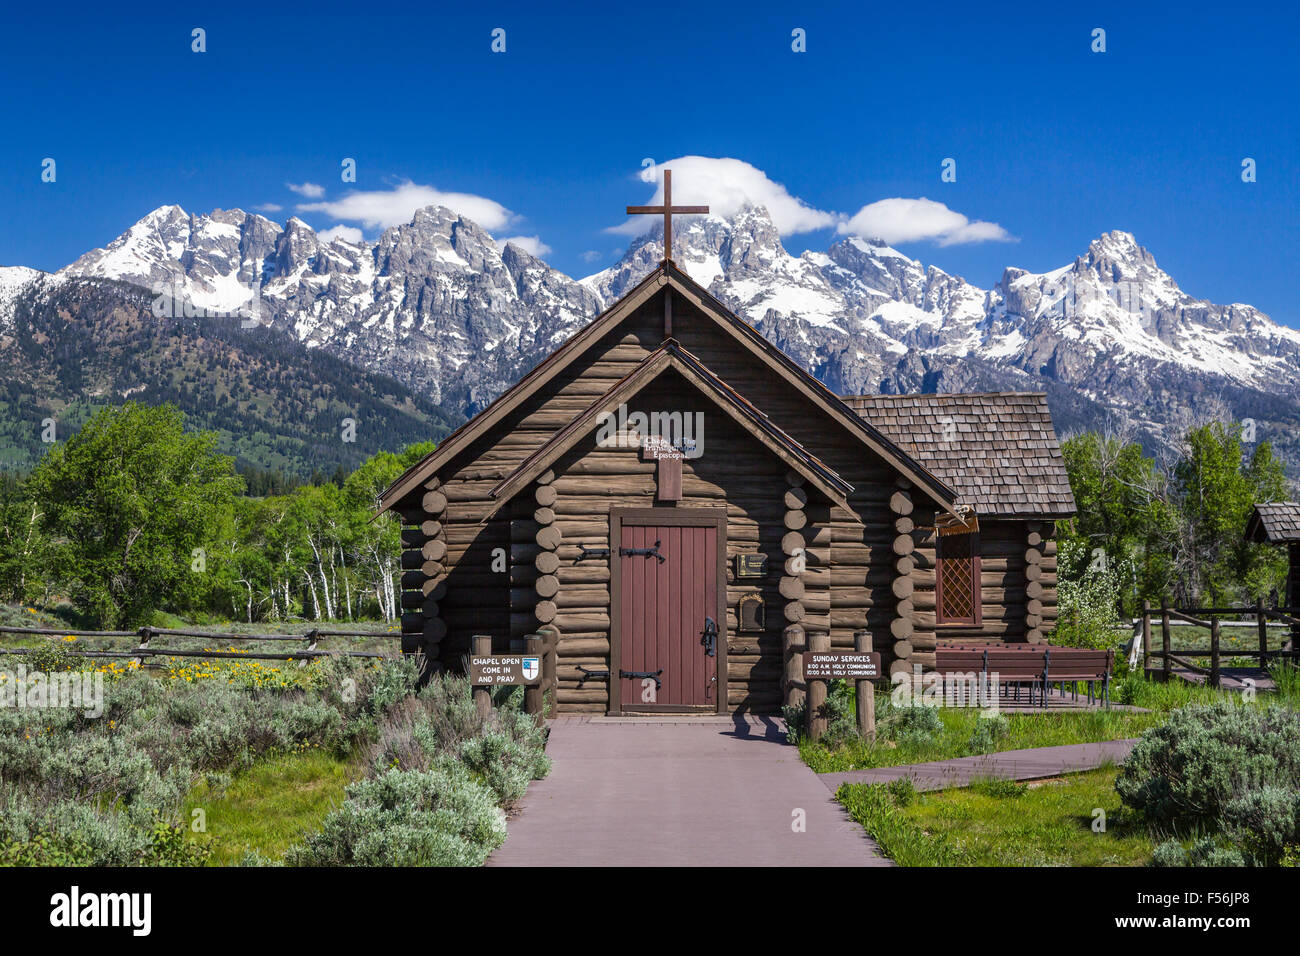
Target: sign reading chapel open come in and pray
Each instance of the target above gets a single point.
(504, 670)
(841, 665)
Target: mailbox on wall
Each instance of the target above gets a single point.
(752, 612)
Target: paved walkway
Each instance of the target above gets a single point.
(685, 792)
(1035, 764)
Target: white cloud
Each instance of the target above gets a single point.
(532, 245)
(591, 255)
(269, 207)
(914, 220)
(726, 186)
(346, 233)
(307, 190)
(383, 208)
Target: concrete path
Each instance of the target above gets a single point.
(1034, 764)
(679, 792)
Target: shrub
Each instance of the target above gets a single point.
(1221, 767)
(435, 817)
(840, 711)
(1206, 851)
(914, 726)
(988, 731)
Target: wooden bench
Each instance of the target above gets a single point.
(1036, 665)
(1072, 665)
(1016, 666)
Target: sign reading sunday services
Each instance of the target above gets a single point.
(841, 665)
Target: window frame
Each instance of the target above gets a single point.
(977, 608)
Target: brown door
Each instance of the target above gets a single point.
(668, 595)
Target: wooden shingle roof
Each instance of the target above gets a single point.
(667, 279)
(997, 449)
(1277, 522)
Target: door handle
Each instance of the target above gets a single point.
(710, 637)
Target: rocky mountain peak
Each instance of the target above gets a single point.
(436, 303)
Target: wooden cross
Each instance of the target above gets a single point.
(666, 210)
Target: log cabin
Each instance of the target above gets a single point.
(679, 507)
(1278, 523)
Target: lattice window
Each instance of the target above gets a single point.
(957, 579)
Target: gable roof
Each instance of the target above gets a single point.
(997, 449)
(1276, 522)
(667, 274)
(671, 355)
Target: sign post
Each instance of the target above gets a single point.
(488, 670)
(481, 646)
(866, 696)
(821, 664)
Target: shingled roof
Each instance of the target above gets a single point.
(1277, 522)
(998, 450)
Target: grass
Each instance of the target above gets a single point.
(270, 806)
(1024, 731)
(959, 724)
(1000, 823)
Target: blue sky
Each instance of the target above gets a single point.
(1054, 143)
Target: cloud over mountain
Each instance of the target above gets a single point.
(385, 208)
(917, 220)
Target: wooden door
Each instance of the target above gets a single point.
(668, 592)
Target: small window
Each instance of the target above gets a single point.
(957, 578)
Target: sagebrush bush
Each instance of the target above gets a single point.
(108, 790)
(840, 712)
(1207, 851)
(506, 750)
(436, 817)
(915, 725)
(1225, 768)
(988, 731)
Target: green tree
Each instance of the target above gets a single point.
(127, 501)
(22, 543)
(1127, 521)
(1216, 492)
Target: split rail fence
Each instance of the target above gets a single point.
(1210, 618)
(145, 649)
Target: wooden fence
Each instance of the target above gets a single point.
(1210, 618)
(144, 648)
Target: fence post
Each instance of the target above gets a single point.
(1262, 624)
(866, 691)
(819, 642)
(312, 636)
(1214, 651)
(145, 634)
(535, 694)
(1146, 636)
(1165, 642)
(481, 646)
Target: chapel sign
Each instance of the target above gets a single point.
(509, 670)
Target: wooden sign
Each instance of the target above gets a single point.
(513, 670)
(841, 665)
(668, 467)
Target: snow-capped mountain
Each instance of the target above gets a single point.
(437, 304)
(434, 303)
(1111, 331)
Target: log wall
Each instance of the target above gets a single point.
(475, 567)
